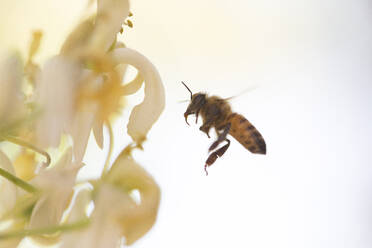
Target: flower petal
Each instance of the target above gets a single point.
(56, 94)
(104, 230)
(129, 176)
(78, 39)
(145, 114)
(98, 132)
(10, 85)
(110, 16)
(81, 203)
(80, 131)
(134, 85)
(56, 185)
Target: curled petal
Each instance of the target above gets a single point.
(136, 218)
(145, 114)
(134, 85)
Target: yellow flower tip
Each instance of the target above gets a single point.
(25, 165)
(35, 44)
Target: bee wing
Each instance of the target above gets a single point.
(241, 93)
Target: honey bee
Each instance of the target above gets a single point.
(216, 113)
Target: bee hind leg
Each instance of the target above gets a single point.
(205, 128)
(214, 155)
(221, 137)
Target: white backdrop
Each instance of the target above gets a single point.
(310, 63)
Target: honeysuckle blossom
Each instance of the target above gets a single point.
(102, 95)
(137, 217)
(117, 214)
(61, 82)
(56, 187)
(76, 93)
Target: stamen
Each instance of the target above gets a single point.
(29, 146)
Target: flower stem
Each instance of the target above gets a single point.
(107, 162)
(45, 230)
(17, 181)
(29, 146)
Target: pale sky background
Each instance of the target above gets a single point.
(310, 63)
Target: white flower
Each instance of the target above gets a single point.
(56, 186)
(104, 230)
(116, 213)
(136, 217)
(83, 98)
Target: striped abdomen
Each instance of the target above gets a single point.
(247, 135)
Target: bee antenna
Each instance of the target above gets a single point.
(187, 88)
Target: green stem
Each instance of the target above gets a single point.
(45, 230)
(17, 181)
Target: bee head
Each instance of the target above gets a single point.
(197, 102)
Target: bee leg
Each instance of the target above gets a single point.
(221, 137)
(213, 157)
(197, 115)
(205, 128)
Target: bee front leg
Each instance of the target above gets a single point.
(213, 157)
(221, 137)
(196, 115)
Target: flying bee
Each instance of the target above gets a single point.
(216, 113)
